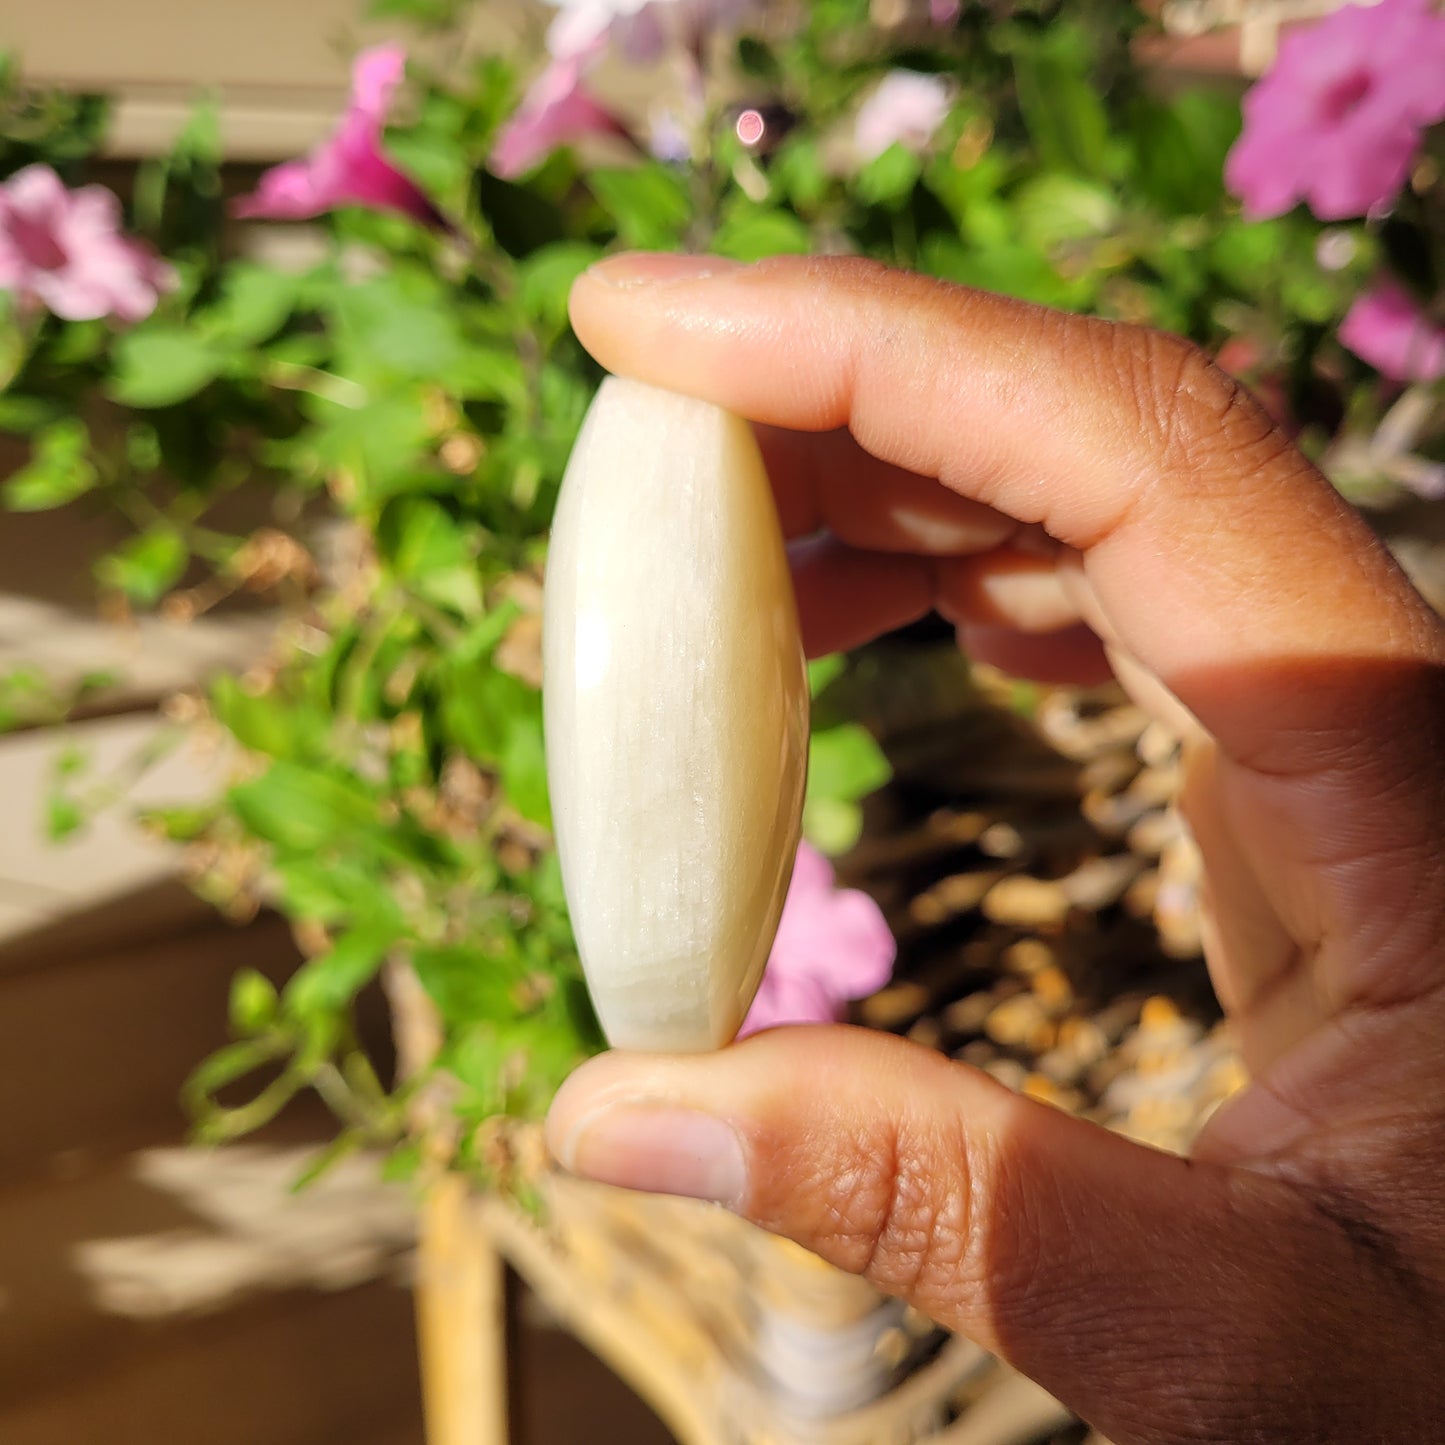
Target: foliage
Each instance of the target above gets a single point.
(410, 397)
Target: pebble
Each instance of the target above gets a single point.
(1027, 902)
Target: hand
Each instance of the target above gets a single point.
(1069, 490)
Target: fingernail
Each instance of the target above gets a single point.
(658, 1150)
(651, 268)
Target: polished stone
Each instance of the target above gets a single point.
(676, 714)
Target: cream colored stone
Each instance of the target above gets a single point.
(676, 713)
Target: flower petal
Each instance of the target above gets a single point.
(1337, 119)
(375, 75)
(788, 1000)
(284, 193)
(556, 111)
(1387, 329)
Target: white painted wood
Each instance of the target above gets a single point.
(677, 714)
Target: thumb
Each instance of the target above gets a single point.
(1138, 1287)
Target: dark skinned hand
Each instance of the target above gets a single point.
(1078, 495)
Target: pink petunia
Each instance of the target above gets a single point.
(641, 28)
(832, 946)
(1387, 329)
(558, 110)
(1337, 121)
(64, 250)
(349, 168)
(582, 27)
(906, 109)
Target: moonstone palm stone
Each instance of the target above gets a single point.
(676, 715)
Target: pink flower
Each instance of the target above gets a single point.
(943, 12)
(906, 109)
(832, 946)
(582, 27)
(556, 111)
(641, 28)
(1387, 329)
(1337, 121)
(349, 168)
(64, 250)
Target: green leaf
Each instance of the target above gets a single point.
(1180, 147)
(1010, 270)
(475, 1055)
(431, 552)
(488, 373)
(479, 705)
(1061, 107)
(467, 984)
(798, 171)
(521, 220)
(80, 342)
(514, 1066)
(71, 762)
(252, 1007)
(748, 233)
(400, 326)
(64, 817)
(328, 891)
(1315, 296)
(60, 470)
(329, 982)
(845, 763)
(758, 61)
(146, 567)
(377, 442)
(263, 724)
(163, 364)
(648, 203)
(25, 414)
(256, 302)
(1053, 208)
(437, 13)
(482, 637)
(524, 769)
(832, 826)
(545, 279)
(180, 825)
(302, 809)
(1248, 253)
(824, 670)
(888, 180)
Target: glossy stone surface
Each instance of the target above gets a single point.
(676, 715)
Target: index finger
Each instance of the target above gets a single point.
(1213, 547)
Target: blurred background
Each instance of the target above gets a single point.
(285, 972)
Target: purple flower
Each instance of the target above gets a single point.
(1337, 121)
(1387, 329)
(556, 111)
(64, 250)
(832, 946)
(349, 168)
(906, 109)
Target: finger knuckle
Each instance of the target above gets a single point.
(899, 1211)
(1193, 414)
